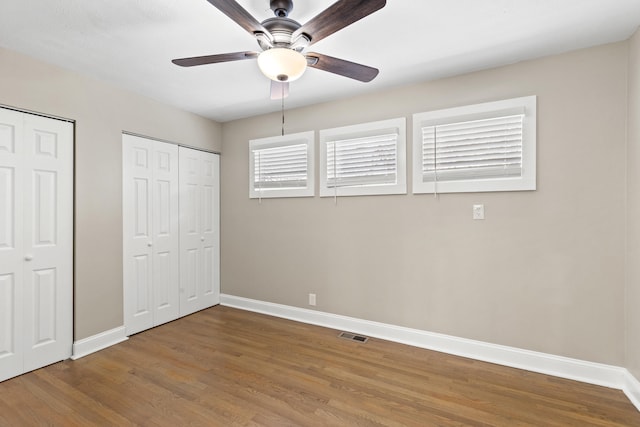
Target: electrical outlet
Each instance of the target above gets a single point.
(478, 211)
(312, 299)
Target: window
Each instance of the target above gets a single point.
(281, 166)
(483, 147)
(363, 159)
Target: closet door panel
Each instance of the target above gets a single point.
(137, 233)
(48, 233)
(210, 226)
(191, 268)
(11, 246)
(199, 231)
(166, 276)
(191, 276)
(11, 359)
(150, 233)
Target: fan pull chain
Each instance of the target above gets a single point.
(435, 162)
(260, 177)
(335, 177)
(282, 87)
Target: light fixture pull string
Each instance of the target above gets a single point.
(260, 177)
(282, 87)
(335, 176)
(435, 162)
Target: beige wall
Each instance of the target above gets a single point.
(633, 211)
(544, 271)
(101, 113)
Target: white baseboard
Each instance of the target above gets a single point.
(86, 346)
(632, 389)
(559, 366)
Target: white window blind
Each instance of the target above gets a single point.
(482, 147)
(489, 148)
(362, 161)
(281, 166)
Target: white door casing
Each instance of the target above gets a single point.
(36, 241)
(199, 230)
(150, 233)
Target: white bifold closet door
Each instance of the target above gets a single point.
(199, 230)
(150, 233)
(36, 242)
(171, 199)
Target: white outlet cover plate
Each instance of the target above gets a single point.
(478, 211)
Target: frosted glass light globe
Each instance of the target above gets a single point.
(282, 64)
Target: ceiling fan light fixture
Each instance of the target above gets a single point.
(282, 64)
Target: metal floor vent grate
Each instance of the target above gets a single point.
(353, 337)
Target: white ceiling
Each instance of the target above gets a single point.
(130, 43)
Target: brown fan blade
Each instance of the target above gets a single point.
(239, 15)
(279, 90)
(337, 16)
(212, 59)
(349, 69)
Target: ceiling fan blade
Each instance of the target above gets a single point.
(212, 59)
(279, 90)
(337, 16)
(344, 68)
(239, 15)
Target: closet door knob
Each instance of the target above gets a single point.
(150, 244)
(202, 238)
(28, 257)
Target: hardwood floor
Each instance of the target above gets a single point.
(229, 367)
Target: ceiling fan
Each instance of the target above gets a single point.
(283, 41)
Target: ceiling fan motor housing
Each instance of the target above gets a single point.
(281, 30)
(281, 8)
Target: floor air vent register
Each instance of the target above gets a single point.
(353, 337)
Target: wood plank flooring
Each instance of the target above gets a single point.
(226, 367)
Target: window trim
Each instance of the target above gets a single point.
(397, 125)
(307, 138)
(527, 181)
